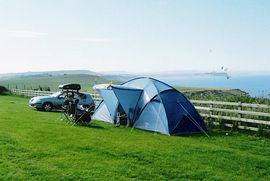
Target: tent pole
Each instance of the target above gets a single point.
(158, 113)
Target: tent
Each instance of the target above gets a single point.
(150, 105)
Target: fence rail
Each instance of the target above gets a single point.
(33, 93)
(238, 115)
(30, 93)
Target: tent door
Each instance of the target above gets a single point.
(121, 119)
(186, 126)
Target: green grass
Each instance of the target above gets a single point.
(35, 146)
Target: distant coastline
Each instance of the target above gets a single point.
(256, 83)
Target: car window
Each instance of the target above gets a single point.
(83, 96)
(79, 96)
(76, 96)
(66, 94)
(62, 96)
(56, 94)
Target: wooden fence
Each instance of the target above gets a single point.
(252, 117)
(30, 93)
(33, 93)
(236, 115)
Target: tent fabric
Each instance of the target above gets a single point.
(153, 118)
(102, 113)
(129, 99)
(110, 101)
(150, 105)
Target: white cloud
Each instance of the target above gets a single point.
(23, 34)
(93, 40)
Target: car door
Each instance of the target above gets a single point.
(59, 101)
(81, 97)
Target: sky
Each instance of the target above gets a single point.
(134, 35)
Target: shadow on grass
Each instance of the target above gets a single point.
(42, 111)
(216, 132)
(210, 133)
(90, 125)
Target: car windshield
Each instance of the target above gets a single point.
(56, 94)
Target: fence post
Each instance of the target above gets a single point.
(239, 114)
(211, 110)
(211, 120)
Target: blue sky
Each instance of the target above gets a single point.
(134, 35)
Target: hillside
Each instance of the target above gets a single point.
(204, 93)
(33, 82)
(45, 73)
(36, 146)
(87, 79)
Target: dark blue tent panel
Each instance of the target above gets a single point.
(179, 108)
(151, 105)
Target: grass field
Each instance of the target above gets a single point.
(86, 81)
(35, 146)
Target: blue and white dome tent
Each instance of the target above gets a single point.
(150, 105)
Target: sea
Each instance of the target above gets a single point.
(255, 85)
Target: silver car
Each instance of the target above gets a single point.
(56, 100)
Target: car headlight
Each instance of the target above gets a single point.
(35, 101)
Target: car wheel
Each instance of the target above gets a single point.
(47, 106)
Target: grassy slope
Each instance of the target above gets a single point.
(86, 81)
(205, 93)
(35, 146)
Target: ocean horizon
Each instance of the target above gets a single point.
(255, 85)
